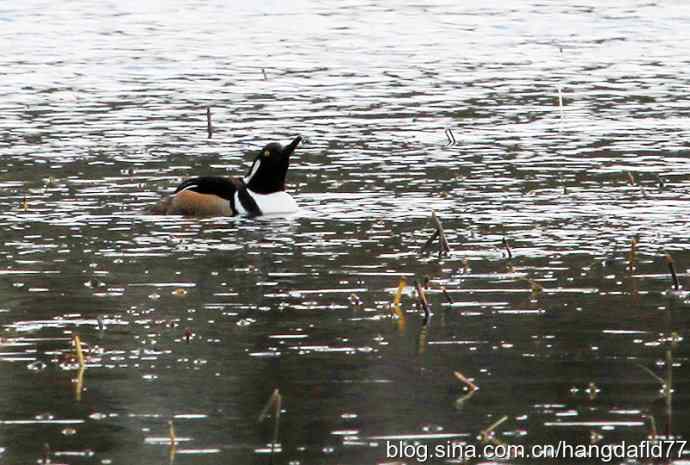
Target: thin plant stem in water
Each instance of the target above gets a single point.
(444, 247)
(446, 295)
(430, 241)
(652, 428)
(421, 298)
(632, 255)
(275, 401)
(46, 454)
(669, 392)
(79, 383)
(672, 269)
(171, 433)
(560, 102)
(659, 379)
(173, 442)
(487, 433)
(450, 136)
(660, 182)
(78, 350)
(209, 126)
(507, 247)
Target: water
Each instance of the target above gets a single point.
(104, 110)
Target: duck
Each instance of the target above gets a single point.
(260, 192)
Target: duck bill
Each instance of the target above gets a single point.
(292, 146)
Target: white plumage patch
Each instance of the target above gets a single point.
(255, 168)
(277, 202)
(189, 187)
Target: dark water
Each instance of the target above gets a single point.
(103, 110)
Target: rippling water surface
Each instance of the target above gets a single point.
(196, 322)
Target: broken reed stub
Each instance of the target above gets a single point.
(209, 125)
(439, 233)
(466, 381)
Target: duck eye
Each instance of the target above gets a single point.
(267, 153)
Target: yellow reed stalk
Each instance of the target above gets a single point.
(396, 300)
(171, 434)
(79, 352)
(79, 384)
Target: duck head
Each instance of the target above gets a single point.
(269, 169)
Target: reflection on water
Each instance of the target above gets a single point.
(198, 321)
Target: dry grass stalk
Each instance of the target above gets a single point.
(275, 401)
(487, 434)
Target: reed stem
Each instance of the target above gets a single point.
(421, 298)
